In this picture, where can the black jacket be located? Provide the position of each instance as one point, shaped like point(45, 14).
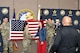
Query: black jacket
point(65, 40)
point(78, 37)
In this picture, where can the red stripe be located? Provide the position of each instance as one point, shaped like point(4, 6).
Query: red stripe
point(33, 21)
point(16, 39)
point(33, 24)
point(33, 30)
point(33, 33)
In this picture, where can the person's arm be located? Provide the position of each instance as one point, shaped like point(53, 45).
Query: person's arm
point(44, 35)
point(27, 34)
point(56, 41)
point(40, 35)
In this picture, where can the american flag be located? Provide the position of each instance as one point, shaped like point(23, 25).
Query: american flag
point(17, 26)
point(17, 29)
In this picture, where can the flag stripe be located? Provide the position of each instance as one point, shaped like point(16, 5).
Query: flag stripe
point(33, 34)
point(33, 29)
point(17, 38)
point(16, 35)
point(33, 26)
point(16, 31)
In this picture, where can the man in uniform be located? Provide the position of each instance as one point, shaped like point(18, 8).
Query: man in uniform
point(26, 40)
point(66, 38)
point(50, 31)
point(5, 31)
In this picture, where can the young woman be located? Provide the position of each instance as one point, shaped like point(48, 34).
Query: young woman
point(42, 38)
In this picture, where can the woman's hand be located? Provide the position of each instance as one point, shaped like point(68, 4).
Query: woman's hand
point(42, 43)
point(54, 52)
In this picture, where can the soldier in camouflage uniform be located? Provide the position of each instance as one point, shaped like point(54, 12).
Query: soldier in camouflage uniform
point(50, 31)
point(26, 41)
point(5, 31)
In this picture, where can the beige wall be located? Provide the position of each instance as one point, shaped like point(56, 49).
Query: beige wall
point(48, 3)
point(7, 3)
point(79, 4)
point(69, 4)
point(33, 4)
point(62, 4)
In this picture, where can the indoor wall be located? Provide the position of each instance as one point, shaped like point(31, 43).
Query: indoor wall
point(34, 5)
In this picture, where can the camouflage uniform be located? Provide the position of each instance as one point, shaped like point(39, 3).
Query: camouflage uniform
point(50, 32)
point(5, 31)
point(26, 41)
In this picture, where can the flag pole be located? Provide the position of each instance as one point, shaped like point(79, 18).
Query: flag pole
point(39, 12)
point(14, 16)
point(15, 46)
point(13, 11)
